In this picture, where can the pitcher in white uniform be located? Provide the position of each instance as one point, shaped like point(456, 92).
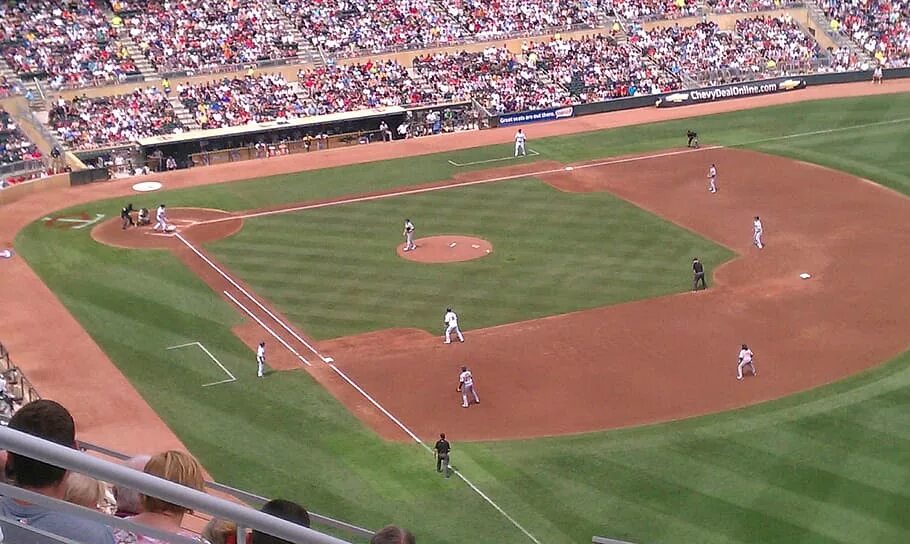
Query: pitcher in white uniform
point(466, 387)
point(451, 325)
point(745, 359)
point(409, 235)
point(520, 143)
point(757, 232)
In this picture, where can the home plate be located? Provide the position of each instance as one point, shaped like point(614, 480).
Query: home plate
point(805, 275)
point(569, 169)
point(475, 246)
point(453, 244)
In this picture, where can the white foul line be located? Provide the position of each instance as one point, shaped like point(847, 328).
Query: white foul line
point(531, 153)
point(416, 439)
point(609, 162)
point(231, 377)
point(248, 295)
point(266, 327)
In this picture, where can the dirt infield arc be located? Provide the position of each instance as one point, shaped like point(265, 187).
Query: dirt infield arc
point(859, 328)
point(647, 361)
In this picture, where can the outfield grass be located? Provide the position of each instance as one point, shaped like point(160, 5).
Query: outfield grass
point(334, 271)
point(830, 465)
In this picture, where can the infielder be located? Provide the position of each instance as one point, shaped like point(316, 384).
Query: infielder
point(693, 138)
point(450, 321)
point(712, 179)
point(757, 231)
point(466, 386)
point(877, 76)
point(520, 143)
point(745, 359)
point(409, 235)
point(260, 360)
point(161, 219)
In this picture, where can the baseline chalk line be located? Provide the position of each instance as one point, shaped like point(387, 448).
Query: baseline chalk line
point(266, 327)
point(531, 153)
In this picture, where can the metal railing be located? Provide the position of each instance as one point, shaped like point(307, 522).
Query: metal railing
point(18, 389)
point(22, 167)
point(76, 461)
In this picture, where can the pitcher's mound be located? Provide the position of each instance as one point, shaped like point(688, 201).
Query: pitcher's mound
point(449, 248)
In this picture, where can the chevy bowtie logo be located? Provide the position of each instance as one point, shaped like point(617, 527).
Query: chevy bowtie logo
point(565, 112)
point(789, 84)
point(677, 97)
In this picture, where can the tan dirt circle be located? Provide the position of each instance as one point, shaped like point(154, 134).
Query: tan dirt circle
point(448, 248)
point(186, 220)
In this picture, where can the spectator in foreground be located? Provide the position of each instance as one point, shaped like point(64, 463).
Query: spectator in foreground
point(87, 492)
point(392, 534)
point(51, 421)
point(175, 466)
point(286, 510)
point(129, 502)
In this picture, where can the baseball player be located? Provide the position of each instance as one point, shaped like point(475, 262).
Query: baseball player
point(126, 216)
point(442, 448)
point(757, 231)
point(450, 322)
point(466, 386)
point(877, 76)
point(698, 271)
point(260, 360)
point(693, 139)
point(712, 179)
point(745, 359)
point(161, 219)
point(520, 143)
point(409, 235)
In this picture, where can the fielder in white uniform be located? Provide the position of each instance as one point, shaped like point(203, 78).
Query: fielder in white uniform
point(260, 360)
point(520, 143)
point(757, 232)
point(466, 387)
point(161, 218)
point(409, 235)
point(451, 324)
point(712, 179)
point(745, 359)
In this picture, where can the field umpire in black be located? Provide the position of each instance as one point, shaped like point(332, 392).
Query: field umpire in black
point(693, 139)
point(442, 448)
point(126, 216)
point(699, 276)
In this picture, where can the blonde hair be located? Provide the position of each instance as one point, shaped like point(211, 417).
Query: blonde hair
point(178, 467)
point(85, 491)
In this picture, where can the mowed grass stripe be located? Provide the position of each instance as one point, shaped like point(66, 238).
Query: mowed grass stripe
point(553, 253)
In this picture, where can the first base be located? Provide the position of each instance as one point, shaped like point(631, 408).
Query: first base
point(569, 169)
point(805, 275)
point(453, 244)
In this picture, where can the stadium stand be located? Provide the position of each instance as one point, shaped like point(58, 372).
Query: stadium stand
point(238, 101)
point(205, 34)
point(14, 144)
point(595, 68)
point(347, 27)
point(636, 10)
point(70, 44)
point(494, 19)
point(880, 28)
point(85, 123)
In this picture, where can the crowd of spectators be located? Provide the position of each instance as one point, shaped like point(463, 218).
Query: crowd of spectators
point(83, 123)
point(52, 422)
point(493, 77)
point(14, 144)
point(745, 6)
point(595, 68)
point(373, 84)
point(492, 19)
point(881, 28)
point(205, 34)
point(635, 10)
point(230, 102)
point(69, 43)
point(348, 26)
point(757, 44)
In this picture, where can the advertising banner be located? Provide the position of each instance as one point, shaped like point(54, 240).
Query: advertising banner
point(535, 116)
point(733, 90)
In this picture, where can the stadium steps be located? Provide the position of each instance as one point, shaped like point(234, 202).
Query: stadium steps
point(183, 114)
point(823, 23)
point(306, 52)
point(142, 62)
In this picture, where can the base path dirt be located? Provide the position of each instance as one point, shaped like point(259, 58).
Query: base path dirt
point(108, 410)
point(446, 249)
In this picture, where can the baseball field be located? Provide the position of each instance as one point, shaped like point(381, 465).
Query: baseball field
point(610, 404)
